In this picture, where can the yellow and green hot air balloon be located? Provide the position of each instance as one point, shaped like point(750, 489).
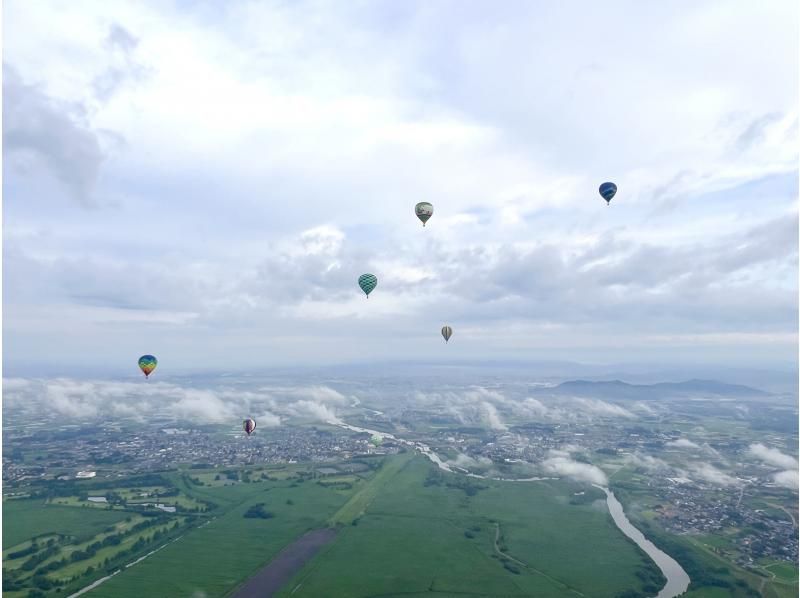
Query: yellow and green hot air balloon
point(147, 363)
point(367, 282)
point(424, 211)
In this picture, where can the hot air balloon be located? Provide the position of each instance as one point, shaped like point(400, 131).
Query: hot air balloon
point(367, 282)
point(447, 332)
point(608, 191)
point(147, 363)
point(424, 211)
point(249, 425)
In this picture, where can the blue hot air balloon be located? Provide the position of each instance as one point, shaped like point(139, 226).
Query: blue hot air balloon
point(608, 191)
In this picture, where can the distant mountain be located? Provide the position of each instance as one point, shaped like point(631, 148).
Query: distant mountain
point(617, 389)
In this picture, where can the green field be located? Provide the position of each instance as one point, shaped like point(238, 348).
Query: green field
point(413, 539)
point(221, 554)
point(367, 493)
point(783, 571)
point(25, 519)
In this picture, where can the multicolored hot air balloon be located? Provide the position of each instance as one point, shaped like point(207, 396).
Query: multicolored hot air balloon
point(447, 332)
point(367, 282)
point(608, 191)
point(424, 211)
point(147, 363)
point(249, 425)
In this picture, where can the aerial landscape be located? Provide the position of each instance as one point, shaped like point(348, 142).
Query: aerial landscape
point(400, 299)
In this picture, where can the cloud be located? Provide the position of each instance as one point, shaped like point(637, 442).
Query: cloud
point(772, 456)
point(202, 405)
point(492, 417)
point(93, 400)
point(322, 394)
point(683, 443)
point(36, 126)
point(583, 472)
point(709, 473)
point(313, 410)
point(598, 407)
point(290, 148)
point(787, 479)
point(646, 462)
point(266, 419)
point(644, 408)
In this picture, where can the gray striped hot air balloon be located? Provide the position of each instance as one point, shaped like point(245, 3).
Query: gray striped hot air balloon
point(367, 282)
point(249, 425)
point(447, 332)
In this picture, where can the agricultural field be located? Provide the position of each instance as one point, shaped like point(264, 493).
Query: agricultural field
point(28, 518)
point(418, 531)
point(228, 548)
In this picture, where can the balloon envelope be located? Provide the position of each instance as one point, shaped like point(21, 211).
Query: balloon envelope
point(447, 332)
point(608, 191)
point(424, 211)
point(367, 282)
point(249, 425)
point(147, 363)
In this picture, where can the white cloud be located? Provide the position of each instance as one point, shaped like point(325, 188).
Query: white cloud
point(492, 417)
point(709, 473)
point(598, 407)
point(322, 394)
point(683, 443)
point(306, 125)
point(583, 472)
point(772, 456)
point(313, 410)
point(647, 462)
point(787, 479)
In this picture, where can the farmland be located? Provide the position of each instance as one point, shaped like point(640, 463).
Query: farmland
point(429, 532)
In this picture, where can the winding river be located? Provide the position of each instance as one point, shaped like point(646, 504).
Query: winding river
point(677, 579)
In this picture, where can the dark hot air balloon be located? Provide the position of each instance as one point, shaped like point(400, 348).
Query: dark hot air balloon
point(447, 332)
point(249, 425)
point(608, 191)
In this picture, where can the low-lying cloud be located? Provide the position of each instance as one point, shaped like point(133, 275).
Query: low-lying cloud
point(582, 472)
point(709, 473)
point(683, 443)
point(787, 479)
point(772, 456)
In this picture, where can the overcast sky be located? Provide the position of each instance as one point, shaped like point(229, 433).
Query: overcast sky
point(206, 181)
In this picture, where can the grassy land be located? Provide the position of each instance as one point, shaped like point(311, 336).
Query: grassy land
point(414, 539)
point(228, 549)
point(355, 507)
point(25, 519)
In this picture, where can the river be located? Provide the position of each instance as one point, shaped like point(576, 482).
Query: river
point(677, 579)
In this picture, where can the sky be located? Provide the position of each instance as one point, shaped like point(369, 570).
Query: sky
point(205, 182)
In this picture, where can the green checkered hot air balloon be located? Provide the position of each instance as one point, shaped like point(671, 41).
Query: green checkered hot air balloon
point(367, 282)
